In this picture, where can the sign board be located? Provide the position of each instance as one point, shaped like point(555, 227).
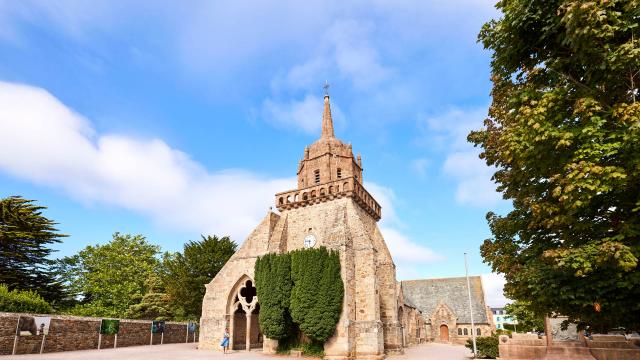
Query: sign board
point(33, 325)
point(157, 327)
point(109, 326)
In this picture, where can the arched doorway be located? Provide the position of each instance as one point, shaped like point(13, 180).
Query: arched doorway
point(444, 332)
point(244, 311)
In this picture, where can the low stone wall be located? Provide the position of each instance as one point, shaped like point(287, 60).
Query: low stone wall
point(68, 333)
point(602, 347)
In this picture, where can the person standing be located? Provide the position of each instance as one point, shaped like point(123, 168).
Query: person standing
point(225, 341)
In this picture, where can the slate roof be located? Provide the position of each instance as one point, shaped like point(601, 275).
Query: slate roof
point(427, 294)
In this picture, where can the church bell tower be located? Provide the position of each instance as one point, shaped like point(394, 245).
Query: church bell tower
point(327, 171)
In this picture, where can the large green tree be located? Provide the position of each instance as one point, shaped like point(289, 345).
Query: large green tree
point(110, 278)
point(527, 320)
point(564, 135)
point(154, 305)
point(185, 274)
point(26, 237)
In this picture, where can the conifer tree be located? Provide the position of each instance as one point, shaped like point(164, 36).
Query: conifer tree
point(273, 286)
point(316, 297)
point(25, 237)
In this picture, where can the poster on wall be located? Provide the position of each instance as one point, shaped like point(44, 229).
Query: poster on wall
point(192, 327)
point(33, 325)
point(157, 326)
point(109, 326)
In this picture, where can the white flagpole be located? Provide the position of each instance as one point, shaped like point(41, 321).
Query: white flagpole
point(473, 330)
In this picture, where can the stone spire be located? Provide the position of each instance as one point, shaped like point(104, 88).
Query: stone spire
point(327, 122)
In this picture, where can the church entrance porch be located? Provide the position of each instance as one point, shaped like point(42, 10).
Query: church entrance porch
point(444, 333)
point(244, 325)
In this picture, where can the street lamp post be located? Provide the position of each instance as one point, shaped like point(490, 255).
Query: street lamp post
point(473, 329)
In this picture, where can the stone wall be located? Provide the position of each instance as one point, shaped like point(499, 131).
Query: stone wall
point(68, 333)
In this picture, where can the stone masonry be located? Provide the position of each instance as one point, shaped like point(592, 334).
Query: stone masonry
point(68, 333)
point(329, 208)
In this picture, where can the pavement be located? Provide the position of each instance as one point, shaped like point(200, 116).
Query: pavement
point(189, 352)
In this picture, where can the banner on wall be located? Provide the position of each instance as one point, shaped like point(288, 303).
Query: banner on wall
point(192, 327)
point(157, 326)
point(33, 325)
point(109, 326)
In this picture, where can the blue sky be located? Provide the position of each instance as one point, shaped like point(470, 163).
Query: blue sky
point(174, 121)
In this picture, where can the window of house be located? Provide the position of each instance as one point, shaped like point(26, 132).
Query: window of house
point(498, 326)
point(316, 174)
point(459, 331)
point(466, 332)
point(478, 331)
point(498, 318)
point(339, 173)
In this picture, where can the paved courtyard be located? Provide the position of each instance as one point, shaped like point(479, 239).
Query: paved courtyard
point(189, 352)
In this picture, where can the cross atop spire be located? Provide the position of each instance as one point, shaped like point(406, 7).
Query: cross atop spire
point(327, 121)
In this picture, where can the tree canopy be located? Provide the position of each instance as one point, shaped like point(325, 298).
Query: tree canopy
point(110, 278)
point(564, 135)
point(185, 274)
point(25, 239)
point(527, 320)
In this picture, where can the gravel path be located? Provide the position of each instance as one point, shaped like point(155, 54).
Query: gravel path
point(189, 352)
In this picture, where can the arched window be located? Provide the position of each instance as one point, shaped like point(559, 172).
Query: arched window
point(339, 173)
point(322, 191)
point(459, 331)
point(478, 331)
point(281, 201)
point(466, 332)
point(305, 196)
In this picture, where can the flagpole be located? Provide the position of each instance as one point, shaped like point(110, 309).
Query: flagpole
point(473, 330)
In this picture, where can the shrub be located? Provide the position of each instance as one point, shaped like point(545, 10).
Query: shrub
point(313, 348)
point(300, 291)
point(273, 286)
point(316, 297)
point(22, 301)
point(487, 346)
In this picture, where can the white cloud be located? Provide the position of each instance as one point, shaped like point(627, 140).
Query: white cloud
point(305, 115)
point(407, 254)
point(448, 132)
point(475, 186)
point(493, 285)
point(346, 51)
point(43, 141)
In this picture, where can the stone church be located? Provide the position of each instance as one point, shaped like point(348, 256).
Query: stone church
point(330, 207)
